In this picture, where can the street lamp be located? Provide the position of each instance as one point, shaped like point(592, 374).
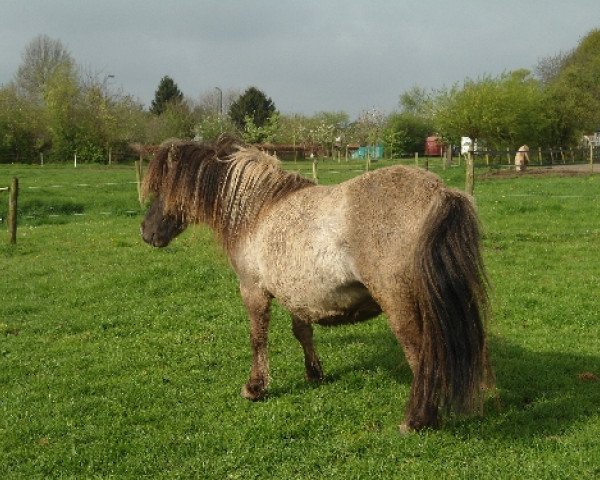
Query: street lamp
point(110, 76)
point(220, 99)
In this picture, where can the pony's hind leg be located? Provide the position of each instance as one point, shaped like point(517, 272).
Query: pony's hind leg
point(258, 305)
point(304, 334)
point(406, 325)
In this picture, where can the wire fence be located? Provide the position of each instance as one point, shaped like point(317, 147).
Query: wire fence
point(336, 168)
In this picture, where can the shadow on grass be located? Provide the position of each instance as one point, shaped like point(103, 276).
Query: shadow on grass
point(540, 393)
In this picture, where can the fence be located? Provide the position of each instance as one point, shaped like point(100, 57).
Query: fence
point(39, 158)
point(12, 209)
point(537, 156)
point(482, 159)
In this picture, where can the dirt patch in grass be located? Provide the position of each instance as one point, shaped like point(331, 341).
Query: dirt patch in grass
point(577, 170)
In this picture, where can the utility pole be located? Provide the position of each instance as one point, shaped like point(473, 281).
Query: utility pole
point(220, 100)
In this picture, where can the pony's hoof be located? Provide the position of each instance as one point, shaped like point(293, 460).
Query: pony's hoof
point(314, 377)
point(252, 392)
point(404, 429)
point(314, 373)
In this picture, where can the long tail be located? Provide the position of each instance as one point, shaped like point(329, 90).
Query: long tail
point(450, 288)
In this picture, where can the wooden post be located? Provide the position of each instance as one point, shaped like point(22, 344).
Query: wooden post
point(540, 155)
point(110, 155)
point(487, 159)
point(562, 155)
point(42, 158)
point(295, 149)
point(417, 159)
point(470, 174)
point(572, 154)
point(315, 171)
point(551, 156)
point(508, 155)
point(138, 178)
point(12, 210)
point(426, 163)
point(591, 158)
point(448, 158)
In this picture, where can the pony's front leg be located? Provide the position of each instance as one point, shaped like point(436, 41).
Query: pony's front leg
point(258, 304)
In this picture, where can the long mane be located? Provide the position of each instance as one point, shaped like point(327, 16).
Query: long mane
point(223, 185)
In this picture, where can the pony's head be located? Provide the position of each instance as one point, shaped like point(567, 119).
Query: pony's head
point(168, 182)
point(159, 227)
point(223, 185)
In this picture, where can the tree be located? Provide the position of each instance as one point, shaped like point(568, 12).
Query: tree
point(176, 121)
point(368, 129)
point(417, 102)
point(22, 134)
point(254, 104)
point(405, 133)
point(504, 111)
point(167, 92)
point(40, 60)
point(266, 133)
point(573, 95)
point(211, 125)
point(61, 96)
point(548, 68)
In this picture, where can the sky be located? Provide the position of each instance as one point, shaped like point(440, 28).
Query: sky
point(309, 55)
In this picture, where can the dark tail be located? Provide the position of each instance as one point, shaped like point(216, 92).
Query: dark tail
point(451, 300)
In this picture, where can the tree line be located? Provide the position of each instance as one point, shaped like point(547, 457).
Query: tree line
point(55, 109)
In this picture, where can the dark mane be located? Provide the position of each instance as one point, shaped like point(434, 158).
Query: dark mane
point(223, 185)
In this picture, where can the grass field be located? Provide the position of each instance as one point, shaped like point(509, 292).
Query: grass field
point(119, 360)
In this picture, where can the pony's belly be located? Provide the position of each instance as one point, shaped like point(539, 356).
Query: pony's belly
point(331, 306)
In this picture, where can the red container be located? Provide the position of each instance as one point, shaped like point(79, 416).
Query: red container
point(433, 146)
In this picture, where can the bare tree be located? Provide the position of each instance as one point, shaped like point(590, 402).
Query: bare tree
point(40, 60)
point(548, 68)
point(210, 100)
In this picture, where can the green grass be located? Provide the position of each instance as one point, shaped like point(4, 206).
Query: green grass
point(121, 360)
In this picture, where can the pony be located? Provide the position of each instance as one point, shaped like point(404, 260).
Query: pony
point(522, 158)
point(395, 240)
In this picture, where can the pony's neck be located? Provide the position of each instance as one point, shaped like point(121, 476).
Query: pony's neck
point(240, 190)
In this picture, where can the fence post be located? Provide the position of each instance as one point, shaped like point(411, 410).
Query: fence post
point(540, 155)
point(315, 172)
point(470, 174)
point(138, 177)
point(448, 157)
point(12, 210)
point(416, 159)
point(591, 157)
point(508, 155)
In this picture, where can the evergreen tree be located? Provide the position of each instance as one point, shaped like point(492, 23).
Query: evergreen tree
point(167, 92)
point(254, 104)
